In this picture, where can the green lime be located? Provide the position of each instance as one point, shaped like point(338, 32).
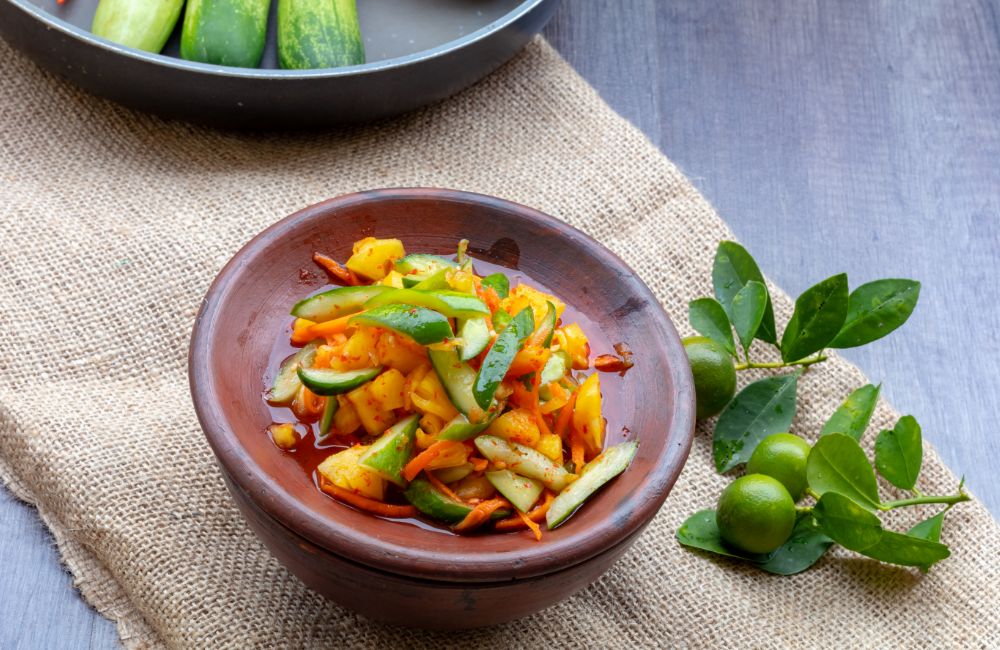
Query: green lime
point(755, 513)
point(782, 456)
point(714, 375)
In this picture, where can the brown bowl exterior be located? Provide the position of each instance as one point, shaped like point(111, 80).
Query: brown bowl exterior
point(246, 307)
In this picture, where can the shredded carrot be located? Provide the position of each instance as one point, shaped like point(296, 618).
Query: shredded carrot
point(441, 487)
point(423, 459)
point(366, 504)
point(537, 514)
point(311, 402)
point(489, 296)
point(331, 266)
point(479, 464)
point(539, 418)
point(565, 415)
point(576, 450)
point(480, 514)
point(530, 524)
point(331, 327)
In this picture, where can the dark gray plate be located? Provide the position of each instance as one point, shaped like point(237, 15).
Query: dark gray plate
point(419, 51)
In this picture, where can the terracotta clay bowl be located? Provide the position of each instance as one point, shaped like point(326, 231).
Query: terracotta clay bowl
point(397, 572)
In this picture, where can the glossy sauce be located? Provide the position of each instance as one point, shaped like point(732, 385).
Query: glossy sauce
point(310, 451)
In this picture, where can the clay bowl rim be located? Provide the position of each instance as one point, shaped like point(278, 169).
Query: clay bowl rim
point(646, 493)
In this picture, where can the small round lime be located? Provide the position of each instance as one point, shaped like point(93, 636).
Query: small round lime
point(755, 513)
point(714, 375)
point(782, 456)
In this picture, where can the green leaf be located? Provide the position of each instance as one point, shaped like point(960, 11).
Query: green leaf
point(700, 531)
point(499, 282)
point(819, 314)
point(748, 311)
point(896, 548)
point(764, 407)
point(849, 524)
point(804, 547)
point(929, 529)
point(875, 309)
point(708, 318)
point(899, 453)
point(852, 417)
point(732, 269)
point(838, 464)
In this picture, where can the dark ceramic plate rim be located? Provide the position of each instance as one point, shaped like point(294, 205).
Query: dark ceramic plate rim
point(78, 33)
point(636, 510)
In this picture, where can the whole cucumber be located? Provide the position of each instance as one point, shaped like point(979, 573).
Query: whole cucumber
point(319, 34)
point(142, 24)
point(225, 32)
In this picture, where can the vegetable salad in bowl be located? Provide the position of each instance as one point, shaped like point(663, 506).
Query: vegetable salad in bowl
point(422, 390)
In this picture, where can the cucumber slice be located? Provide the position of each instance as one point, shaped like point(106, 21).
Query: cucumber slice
point(452, 304)
point(459, 428)
point(323, 381)
point(501, 320)
point(287, 382)
point(457, 378)
point(326, 420)
point(609, 464)
point(521, 491)
point(524, 461)
point(556, 367)
point(547, 328)
point(423, 325)
point(422, 265)
point(452, 474)
point(475, 335)
point(501, 355)
point(389, 454)
point(336, 302)
point(422, 495)
point(499, 283)
point(435, 281)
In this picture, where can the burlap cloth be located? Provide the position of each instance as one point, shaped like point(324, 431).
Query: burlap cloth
point(112, 226)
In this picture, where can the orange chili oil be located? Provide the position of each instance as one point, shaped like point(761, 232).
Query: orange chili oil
point(310, 451)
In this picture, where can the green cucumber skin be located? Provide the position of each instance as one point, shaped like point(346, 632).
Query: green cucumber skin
point(501, 355)
point(449, 303)
point(422, 264)
point(286, 383)
point(390, 453)
point(457, 378)
point(475, 335)
point(422, 496)
point(425, 326)
point(335, 302)
point(612, 462)
point(523, 460)
point(319, 34)
point(141, 24)
point(460, 429)
point(522, 492)
point(333, 382)
point(329, 411)
point(225, 32)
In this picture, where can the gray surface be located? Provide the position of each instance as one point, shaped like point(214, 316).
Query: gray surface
point(857, 136)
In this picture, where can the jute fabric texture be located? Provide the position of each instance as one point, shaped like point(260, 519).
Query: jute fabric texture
point(112, 226)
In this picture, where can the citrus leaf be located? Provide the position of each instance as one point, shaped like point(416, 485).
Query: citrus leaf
point(929, 529)
point(764, 407)
point(804, 548)
point(748, 311)
point(819, 314)
point(838, 464)
point(732, 269)
point(700, 531)
point(849, 524)
point(899, 453)
point(876, 309)
point(852, 417)
point(906, 550)
point(708, 318)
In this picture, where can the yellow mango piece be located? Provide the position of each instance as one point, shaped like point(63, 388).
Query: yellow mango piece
point(343, 470)
point(373, 418)
point(572, 339)
point(345, 420)
point(523, 296)
point(400, 352)
point(387, 389)
point(394, 279)
point(373, 258)
point(550, 445)
point(300, 331)
point(516, 425)
point(460, 280)
point(284, 435)
point(360, 351)
point(587, 418)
